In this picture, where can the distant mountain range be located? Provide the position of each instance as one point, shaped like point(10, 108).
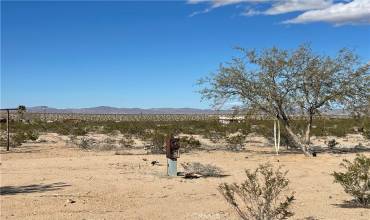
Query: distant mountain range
point(113, 110)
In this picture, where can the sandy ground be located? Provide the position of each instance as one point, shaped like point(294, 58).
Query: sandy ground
point(53, 180)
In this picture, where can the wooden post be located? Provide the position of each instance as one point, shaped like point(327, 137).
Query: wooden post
point(278, 142)
point(277, 136)
point(275, 141)
point(7, 131)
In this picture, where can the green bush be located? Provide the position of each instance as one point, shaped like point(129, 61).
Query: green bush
point(215, 136)
point(21, 137)
point(18, 139)
point(356, 179)
point(32, 135)
point(236, 142)
point(157, 143)
point(261, 195)
point(189, 143)
point(127, 141)
point(367, 134)
point(210, 128)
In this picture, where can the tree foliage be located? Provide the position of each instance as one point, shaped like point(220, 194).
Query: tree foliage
point(284, 84)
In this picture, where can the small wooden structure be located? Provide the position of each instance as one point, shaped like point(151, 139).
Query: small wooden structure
point(7, 125)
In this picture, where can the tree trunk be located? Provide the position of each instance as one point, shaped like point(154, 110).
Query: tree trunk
point(308, 131)
point(296, 140)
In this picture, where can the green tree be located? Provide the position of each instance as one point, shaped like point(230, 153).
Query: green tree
point(21, 110)
point(282, 84)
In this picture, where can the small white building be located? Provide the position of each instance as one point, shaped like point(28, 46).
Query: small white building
point(228, 119)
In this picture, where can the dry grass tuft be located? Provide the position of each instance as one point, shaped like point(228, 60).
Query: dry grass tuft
point(205, 170)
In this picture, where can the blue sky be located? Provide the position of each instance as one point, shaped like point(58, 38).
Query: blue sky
point(149, 54)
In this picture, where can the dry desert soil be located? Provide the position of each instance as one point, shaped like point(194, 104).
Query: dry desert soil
point(52, 180)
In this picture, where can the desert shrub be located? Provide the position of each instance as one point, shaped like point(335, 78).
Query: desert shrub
point(115, 133)
point(189, 143)
point(21, 137)
point(109, 140)
point(206, 170)
point(18, 138)
point(105, 147)
point(332, 143)
point(61, 130)
point(285, 140)
point(214, 136)
point(210, 128)
point(126, 142)
point(157, 141)
point(261, 196)
point(73, 139)
point(339, 131)
point(236, 142)
point(356, 179)
point(263, 127)
point(85, 143)
point(78, 131)
point(367, 134)
point(32, 135)
point(3, 140)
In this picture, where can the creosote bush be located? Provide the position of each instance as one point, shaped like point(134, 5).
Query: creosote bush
point(155, 131)
point(356, 179)
point(20, 137)
point(126, 142)
point(157, 141)
point(236, 142)
point(189, 143)
point(262, 196)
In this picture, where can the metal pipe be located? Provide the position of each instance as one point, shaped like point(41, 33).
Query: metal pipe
point(7, 131)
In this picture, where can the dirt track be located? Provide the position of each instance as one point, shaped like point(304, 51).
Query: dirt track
point(54, 181)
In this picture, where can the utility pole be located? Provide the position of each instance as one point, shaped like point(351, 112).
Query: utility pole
point(7, 125)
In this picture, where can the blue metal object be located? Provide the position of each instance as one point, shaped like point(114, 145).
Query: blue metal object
point(171, 167)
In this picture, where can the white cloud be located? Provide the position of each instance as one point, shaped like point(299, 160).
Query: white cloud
point(196, 1)
point(216, 4)
point(286, 6)
point(251, 12)
point(338, 12)
point(282, 7)
point(220, 3)
point(354, 12)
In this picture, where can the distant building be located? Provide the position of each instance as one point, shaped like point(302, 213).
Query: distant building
point(229, 119)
